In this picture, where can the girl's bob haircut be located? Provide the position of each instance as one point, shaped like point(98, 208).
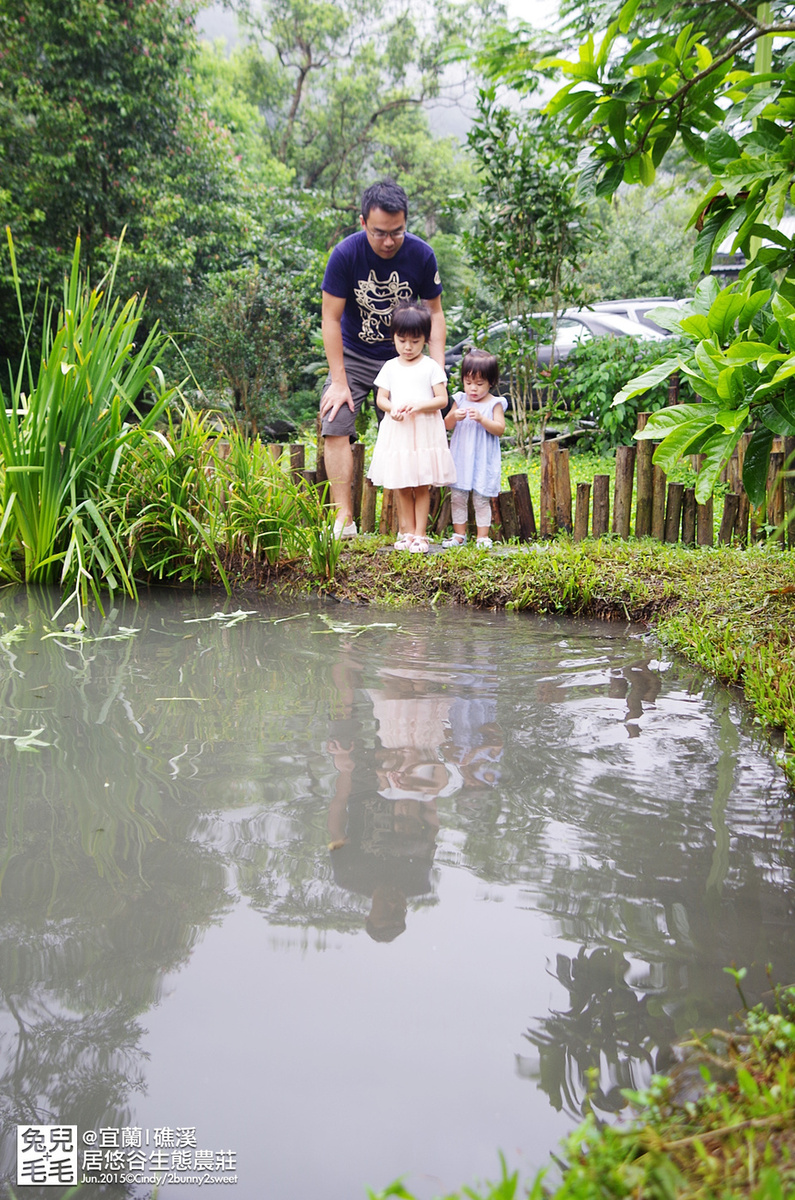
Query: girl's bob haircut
point(412, 320)
point(478, 362)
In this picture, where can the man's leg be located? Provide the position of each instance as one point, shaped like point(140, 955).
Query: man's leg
point(360, 372)
point(338, 458)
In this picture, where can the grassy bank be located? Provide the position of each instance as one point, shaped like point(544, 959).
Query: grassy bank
point(720, 1127)
point(730, 611)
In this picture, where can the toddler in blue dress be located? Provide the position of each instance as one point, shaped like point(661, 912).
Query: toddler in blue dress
point(477, 419)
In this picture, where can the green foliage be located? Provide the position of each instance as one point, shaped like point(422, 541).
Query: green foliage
point(525, 241)
point(642, 246)
point(341, 87)
point(66, 427)
point(740, 362)
point(589, 379)
point(633, 92)
point(167, 504)
point(253, 339)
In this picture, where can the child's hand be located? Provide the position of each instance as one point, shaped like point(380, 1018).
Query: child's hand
point(404, 410)
point(474, 414)
point(460, 414)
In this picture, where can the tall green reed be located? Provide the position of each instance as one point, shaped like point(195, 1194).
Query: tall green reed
point(167, 499)
point(65, 427)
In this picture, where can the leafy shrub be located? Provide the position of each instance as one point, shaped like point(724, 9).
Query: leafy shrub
point(597, 369)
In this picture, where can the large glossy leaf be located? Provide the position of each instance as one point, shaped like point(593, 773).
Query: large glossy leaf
point(717, 452)
point(666, 420)
point(687, 438)
point(756, 463)
point(642, 383)
point(779, 416)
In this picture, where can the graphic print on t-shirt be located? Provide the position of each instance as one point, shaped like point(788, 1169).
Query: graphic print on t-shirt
point(377, 299)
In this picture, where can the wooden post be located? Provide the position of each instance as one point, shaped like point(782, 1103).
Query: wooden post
point(508, 517)
point(562, 491)
point(389, 517)
point(622, 493)
point(673, 388)
point(357, 450)
point(320, 468)
point(705, 532)
point(775, 491)
point(673, 511)
point(601, 505)
point(525, 517)
point(369, 494)
point(276, 451)
point(689, 517)
point(728, 522)
point(789, 488)
point(659, 483)
point(743, 515)
point(495, 532)
point(643, 455)
point(582, 511)
point(445, 515)
point(297, 460)
point(549, 452)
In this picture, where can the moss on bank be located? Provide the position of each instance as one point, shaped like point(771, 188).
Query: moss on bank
point(731, 611)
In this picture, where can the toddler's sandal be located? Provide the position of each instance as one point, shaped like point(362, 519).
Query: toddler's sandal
point(452, 543)
point(404, 541)
point(484, 543)
point(420, 545)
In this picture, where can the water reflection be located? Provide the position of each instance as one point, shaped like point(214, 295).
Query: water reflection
point(585, 833)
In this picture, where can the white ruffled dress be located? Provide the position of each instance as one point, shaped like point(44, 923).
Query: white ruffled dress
point(412, 452)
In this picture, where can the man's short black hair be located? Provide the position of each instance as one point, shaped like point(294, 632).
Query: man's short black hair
point(413, 320)
point(387, 195)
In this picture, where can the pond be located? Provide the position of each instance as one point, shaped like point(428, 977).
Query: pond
point(304, 899)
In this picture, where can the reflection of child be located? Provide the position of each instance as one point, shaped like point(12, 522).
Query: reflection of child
point(411, 451)
point(477, 420)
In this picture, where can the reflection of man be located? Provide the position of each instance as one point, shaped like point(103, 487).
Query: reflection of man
point(367, 276)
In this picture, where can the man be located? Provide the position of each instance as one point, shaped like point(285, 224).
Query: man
point(367, 276)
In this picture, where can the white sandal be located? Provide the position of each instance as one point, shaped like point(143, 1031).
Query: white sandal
point(419, 545)
point(451, 543)
point(404, 541)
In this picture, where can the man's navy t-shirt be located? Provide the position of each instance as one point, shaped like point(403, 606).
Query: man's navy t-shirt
point(372, 287)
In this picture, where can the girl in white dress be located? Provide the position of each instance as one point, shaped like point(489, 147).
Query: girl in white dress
point(477, 420)
point(411, 450)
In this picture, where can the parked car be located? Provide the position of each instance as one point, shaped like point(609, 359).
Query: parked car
point(574, 325)
point(636, 309)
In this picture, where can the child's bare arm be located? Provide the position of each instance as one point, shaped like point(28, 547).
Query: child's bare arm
point(382, 400)
point(494, 424)
point(455, 415)
point(434, 402)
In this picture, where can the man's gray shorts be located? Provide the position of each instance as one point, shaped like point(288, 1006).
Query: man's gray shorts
point(361, 372)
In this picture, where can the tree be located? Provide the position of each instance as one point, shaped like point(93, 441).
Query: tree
point(102, 127)
point(342, 87)
point(632, 95)
point(525, 242)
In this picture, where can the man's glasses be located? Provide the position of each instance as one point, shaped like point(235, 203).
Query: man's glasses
point(381, 235)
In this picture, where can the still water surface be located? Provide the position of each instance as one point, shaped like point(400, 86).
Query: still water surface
point(352, 894)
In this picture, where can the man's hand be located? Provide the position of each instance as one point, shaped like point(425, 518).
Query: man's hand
point(335, 397)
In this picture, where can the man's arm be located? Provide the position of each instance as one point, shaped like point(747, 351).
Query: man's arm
point(438, 339)
point(337, 393)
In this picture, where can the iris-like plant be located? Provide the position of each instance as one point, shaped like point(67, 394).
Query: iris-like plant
point(64, 429)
